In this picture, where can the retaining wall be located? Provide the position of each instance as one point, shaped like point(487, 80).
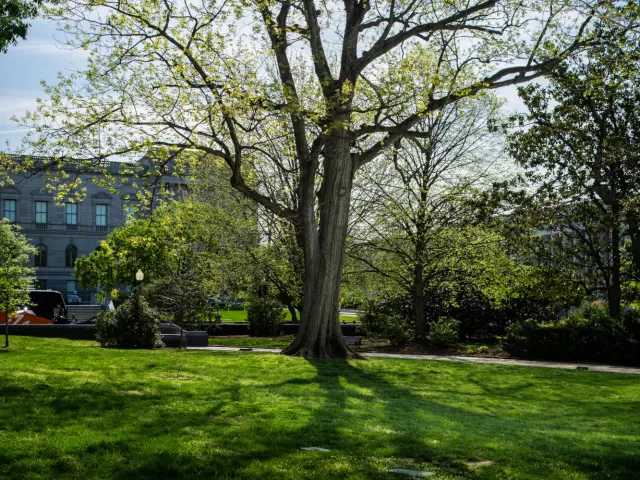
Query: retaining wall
point(88, 331)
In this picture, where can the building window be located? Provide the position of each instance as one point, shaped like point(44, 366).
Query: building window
point(71, 286)
point(71, 211)
point(41, 212)
point(10, 210)
point(41, 256)
point(101, 215)
point(41, 284)
point(129, 214)
point(70, 255)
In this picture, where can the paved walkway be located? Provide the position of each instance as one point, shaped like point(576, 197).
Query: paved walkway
point(454, 358)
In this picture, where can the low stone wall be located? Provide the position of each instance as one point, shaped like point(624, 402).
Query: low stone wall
point(242, 328)
point(88, 331)
point(76, 332)
point(189, 339)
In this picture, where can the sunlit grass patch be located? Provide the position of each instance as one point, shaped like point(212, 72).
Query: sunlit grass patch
point(79, 411)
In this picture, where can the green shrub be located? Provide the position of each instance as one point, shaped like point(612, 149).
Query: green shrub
point(131, 325)
point(444, 331)
point(588, 334)
point(483, 349)
point(265, 316)
point(631, 322)
point(388, 318)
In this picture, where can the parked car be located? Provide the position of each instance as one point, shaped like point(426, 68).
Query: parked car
point(73, 299)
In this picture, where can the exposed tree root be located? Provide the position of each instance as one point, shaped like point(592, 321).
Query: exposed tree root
point(332, 348)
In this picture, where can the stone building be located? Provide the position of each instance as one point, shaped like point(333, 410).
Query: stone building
point(64, 232)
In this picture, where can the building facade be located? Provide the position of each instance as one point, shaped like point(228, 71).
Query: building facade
point(64, 232)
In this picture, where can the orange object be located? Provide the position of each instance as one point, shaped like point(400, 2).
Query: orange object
point(25, 317)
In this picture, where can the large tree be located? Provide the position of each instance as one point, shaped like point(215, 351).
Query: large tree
point(580, 147)
point(304, 91)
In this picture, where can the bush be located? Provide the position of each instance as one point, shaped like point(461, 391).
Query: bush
point(631, 322)
point(588, 334)
point(265, 316)
point(131, 325)
point(390, 317)
point(444, 331)
point(481, 320)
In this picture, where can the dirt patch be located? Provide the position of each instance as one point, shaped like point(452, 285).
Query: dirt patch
point(471, 350)
point(374, 345)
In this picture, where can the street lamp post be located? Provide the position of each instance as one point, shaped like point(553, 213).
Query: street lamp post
point(6, 320)
point(139, 278)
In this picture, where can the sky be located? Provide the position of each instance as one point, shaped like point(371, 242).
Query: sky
point(22, 69)
point(41, 57)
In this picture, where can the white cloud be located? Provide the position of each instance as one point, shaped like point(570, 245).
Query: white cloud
point(17, 130)
point(51, 47)
point(10, 104)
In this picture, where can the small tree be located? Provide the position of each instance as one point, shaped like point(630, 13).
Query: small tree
point(16, 276)
point(176, 237)
point(415, 221)
point(182, 296)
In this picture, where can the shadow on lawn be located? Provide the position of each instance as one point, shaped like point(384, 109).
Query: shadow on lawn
point(337, 423)
point(350, 409)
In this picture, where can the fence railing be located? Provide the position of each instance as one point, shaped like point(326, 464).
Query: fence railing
point(58, 227)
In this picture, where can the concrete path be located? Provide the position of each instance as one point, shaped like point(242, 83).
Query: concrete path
point(454, 358)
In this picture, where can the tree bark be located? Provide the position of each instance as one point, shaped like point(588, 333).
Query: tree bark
point(294, 314)
point(6, 329)
point(324, 245)
point(418, 302)
point(614, 293)
point(634, 233)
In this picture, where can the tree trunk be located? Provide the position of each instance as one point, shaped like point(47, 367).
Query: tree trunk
point(294, 314)
point(178, 318)
point(418, 302)
point(634, 233)
point(614, 293)
point(320, 334)
point(635, 251)
point(6, 329)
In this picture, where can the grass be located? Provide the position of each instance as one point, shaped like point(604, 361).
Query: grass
point(73, 410)
point(241, 316)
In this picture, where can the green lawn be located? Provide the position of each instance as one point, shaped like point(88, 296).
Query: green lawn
point(73, 410)
point(241, 316)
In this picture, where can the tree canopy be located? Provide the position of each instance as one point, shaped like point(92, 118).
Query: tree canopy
point(14, 16)
point(176, 238)
point(580, 146)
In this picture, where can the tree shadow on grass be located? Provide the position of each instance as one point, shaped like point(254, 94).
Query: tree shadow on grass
point(357, 410)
